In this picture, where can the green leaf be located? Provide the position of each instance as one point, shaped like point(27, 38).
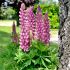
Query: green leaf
point(55, 68)
point(46, 68)
point(27, 63)
point(40, 45)
point(40, 68)
point(32, 53)
point(43, 62)
point(47, 60)
point(34, 62)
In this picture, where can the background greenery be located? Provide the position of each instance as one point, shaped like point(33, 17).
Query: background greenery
point(7, 13)
point(53, 12)
point(52, 9)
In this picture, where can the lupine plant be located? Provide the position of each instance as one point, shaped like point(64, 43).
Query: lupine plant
point(37, 55)
point(46, 30)
point(25, 28)
point(14, 34)
point(42, 27)
point(33, 27)
point(39, 22)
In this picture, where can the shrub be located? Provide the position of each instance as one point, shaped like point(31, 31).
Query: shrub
point(53, 12)
point(8, 13)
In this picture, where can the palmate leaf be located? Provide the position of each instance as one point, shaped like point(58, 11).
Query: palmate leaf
point(39, 55)
point(21, 56)
point(18, 57)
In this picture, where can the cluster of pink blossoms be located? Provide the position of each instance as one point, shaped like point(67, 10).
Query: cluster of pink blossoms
point(25, 29)
point(42, 26)
point(33, 27)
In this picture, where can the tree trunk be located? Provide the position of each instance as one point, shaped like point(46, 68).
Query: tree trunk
point(64, 35)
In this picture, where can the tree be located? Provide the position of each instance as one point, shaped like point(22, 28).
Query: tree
point(64, 35)
point(16, 5)
point(1, 1)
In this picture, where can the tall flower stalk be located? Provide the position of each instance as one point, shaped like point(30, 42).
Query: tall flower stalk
point(25, 29)
point(42, 27)
point(39, 22)
point(14, 34)
point(46, 30)
point(32, 25)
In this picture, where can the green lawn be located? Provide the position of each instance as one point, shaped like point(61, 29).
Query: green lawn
point(5, 35)
point(7, 51)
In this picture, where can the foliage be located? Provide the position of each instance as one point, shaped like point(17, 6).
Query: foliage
point(52, 9)
point(39, 57)
point(8, 13)
point(53, 12)
point(7, 61)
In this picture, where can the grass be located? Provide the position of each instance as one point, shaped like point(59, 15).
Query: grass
point(5, 35)
point(7, 54)
point(8, 50)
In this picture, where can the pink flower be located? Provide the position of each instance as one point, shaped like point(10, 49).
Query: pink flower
point(32, 25)
point(46, 29)
point(25, 29)
point(42, 27)
point(39, 22)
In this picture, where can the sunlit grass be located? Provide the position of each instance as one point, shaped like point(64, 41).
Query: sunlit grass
point(5, 35)
point(6, 21)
